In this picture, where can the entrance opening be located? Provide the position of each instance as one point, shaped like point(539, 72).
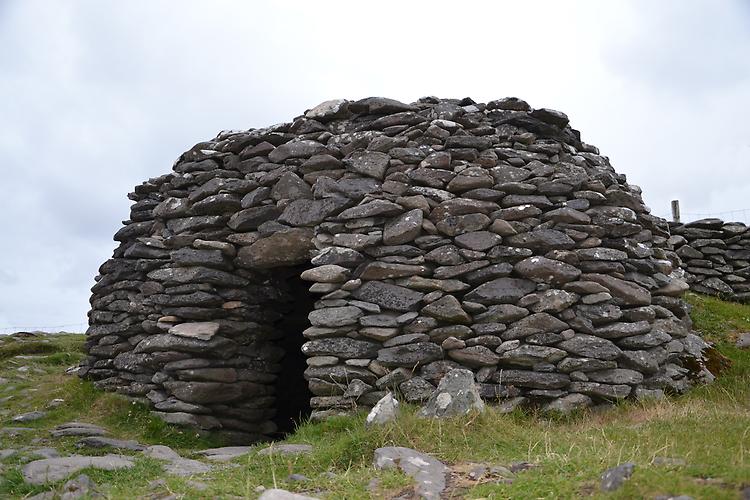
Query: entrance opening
point(292, 392)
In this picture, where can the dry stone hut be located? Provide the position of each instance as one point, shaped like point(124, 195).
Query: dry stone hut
point(308, 267)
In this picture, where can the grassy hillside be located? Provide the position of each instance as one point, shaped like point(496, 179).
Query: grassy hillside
point(697, 445)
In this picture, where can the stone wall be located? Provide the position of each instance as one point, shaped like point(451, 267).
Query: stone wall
point(716, 257)
point(432, 235)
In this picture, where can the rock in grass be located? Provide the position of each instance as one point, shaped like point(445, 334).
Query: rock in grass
point(30, 416)
point(743, 342)
point(427, 471)
point(615, 477)
point(386, 410)
point(55, 469)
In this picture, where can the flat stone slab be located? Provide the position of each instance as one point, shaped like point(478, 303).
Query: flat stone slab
point(55, 469)
point(225, 454)
point(286, 449)
point(105, 442)
point(428, 472)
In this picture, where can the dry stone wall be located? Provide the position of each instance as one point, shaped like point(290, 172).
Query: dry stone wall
point(716, 257)
point(434, 235)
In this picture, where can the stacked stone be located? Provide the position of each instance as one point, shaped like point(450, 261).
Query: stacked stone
point(716, 256)
point(437, 234)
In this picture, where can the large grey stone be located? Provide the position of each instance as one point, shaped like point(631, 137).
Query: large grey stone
point(369, 163)
point(387, 296)
point(428, 472)
point(50, 470)
point(295, 149)
point(546, 270)
point(530, 355)
point(410, 355)
point(343, 347)
point(335, 316)
point(612, 479)
point(287, 248)
point(447, 309)
point(456, 395)
point(501, 291)
point(625, 292)
point(403, 228)
point(475, 356)
point(385, 410)
point(588, 346)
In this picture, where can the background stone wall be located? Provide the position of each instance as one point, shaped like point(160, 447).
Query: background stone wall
point(716, 256)
point(432, 235)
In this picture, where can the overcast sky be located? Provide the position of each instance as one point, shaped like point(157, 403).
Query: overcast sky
point(96, 96)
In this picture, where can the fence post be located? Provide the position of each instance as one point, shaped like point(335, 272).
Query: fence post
point(676, 210)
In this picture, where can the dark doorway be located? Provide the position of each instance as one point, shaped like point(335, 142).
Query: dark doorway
point(292, 393)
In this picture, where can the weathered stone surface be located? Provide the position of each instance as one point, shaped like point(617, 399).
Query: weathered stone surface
point(614, 478)
point(369, 163)
point(475, 356)
point(410, 355)
point(544, 270)
point(199, 330)
point(340, 346)
point(456, 395)
point(616, 376)
point(388, 296)
point(535, 323)
point(447, 309)
point(589, 346)
point(56, 469)
point(536, 380)
point(403, 228)
point(295, 149)
point(568, 404)
point(428, 473)
point(501, 291)
point(624, 292)
point(287, 248)
point(385, 410)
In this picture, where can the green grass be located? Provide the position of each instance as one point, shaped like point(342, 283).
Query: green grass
point(709, 429)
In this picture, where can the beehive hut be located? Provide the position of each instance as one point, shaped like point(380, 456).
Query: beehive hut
point(309, 267)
